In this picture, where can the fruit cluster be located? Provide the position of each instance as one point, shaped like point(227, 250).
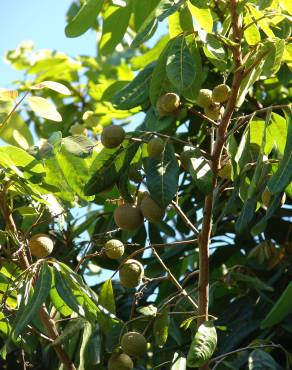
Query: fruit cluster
point(211, 101)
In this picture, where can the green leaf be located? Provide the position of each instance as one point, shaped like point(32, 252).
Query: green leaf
point(115, 24)
point(180, 67)
point(162, 176)
point(253, 282)
point(16, 132)
point(52, 85)
point(246, 215)
point(79, 145)
point(179, 362)
point(106, 297)
point(136, 92)
point(58, 302)
point(280, 310)
point(273, 59)
point(201, 14)
point(192, 91)
point(84, 19)
point(161, 327)
point(200, 171)
point(108, 167)
point(203, 345)
point(179, 22)
point(251, 33)
point(44, 108)
point(30, 308)
point(259, 359)
point(72, 328)
point(283, 175)
point(157, 124)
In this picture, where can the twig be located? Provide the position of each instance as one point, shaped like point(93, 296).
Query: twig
point(199, 114)
point(185, 218)
point(14, 109)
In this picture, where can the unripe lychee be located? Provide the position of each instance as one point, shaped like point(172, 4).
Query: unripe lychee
point(204, 98)
point(40, 245)
point(221, 93)
point(213, 111)
point(128, 217)
point(114, 249)
point(112, 136)
point(134, 344)
point(120, 361)
point(155, 147)
point(167, 104)
point(131, 273)
point(151, 210)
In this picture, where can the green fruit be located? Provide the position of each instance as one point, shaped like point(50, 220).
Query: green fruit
point(112, 136)
point(128, 217)
point(221, 93)
point(151, 211)
point(114, 249)
point(167, 103)
point(204, 99)
point(120, 361)
point(40, 245)
point(134, 344)
point(226, 171)
point(131, 273)
point(213, 112)
point(155, 147)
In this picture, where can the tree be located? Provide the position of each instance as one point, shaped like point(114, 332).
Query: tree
point(178, 154)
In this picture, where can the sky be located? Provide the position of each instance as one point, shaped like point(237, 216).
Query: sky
point(42, 22)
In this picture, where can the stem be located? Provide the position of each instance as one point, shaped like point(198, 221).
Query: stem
point(204, 237)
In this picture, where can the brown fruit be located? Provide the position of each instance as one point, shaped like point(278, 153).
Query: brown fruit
point(112, 136)
point(213, 111)
point(131, 273)
point(134, 344)
point(167, 104)
point(114, 249)
point(151, 211)
point(204, 99)
point(120, 361)
point(128, 217)
point(221, 93)
point(140, 196)
point(40, 245)
point(155, 147)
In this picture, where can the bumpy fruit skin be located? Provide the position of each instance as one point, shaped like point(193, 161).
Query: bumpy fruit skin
point(120, 361)
point(204, 98)
point(167, 104)
point(40, 245)
point(112, 136)
point(128, 217)
point(114, 248)
point(221, 93)
point(212, 112)
point(131, 273)
point(151, 211)
point(134, 344)
point(155, 147)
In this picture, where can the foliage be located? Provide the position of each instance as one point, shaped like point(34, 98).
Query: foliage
point(58, 179)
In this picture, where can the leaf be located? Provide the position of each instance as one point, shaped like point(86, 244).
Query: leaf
point(180, 65)
point(283, 175)
point(84, 19)
point(253, 282)
point(203, 345)
point(79, 145)
point(280, 310)
point(106, 297)
point(251, 33)
point(179, 22)
point(41, 291)
point(149, 310)
point(16, 132)
point(157, 124)
point(246, 215)
point(52, 85)
point(179, 362)
point(200, 171)
point(161, 327)
point(162, 176)
point(71, 329)
point(44, 108)
point(114, 26)
point(136, 92)
point(259, 359)
point(8, 94)
point(201, 14)
point(108, 167)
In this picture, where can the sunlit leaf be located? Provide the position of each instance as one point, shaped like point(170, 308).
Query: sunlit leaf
point(52, 85)
point(44, 108)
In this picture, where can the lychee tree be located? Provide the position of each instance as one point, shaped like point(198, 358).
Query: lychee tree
point(145, 192)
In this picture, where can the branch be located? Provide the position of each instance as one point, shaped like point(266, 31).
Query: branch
point(185, 218)
point(199, 114)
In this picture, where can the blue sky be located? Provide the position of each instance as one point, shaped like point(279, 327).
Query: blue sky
point(42, 22)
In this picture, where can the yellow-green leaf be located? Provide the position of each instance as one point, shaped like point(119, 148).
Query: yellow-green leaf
point(251, 33)
point(56, 86)
point(202, 15)
point(44, 108)
point(8, 94)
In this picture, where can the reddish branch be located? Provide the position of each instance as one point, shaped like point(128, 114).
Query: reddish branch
point(221, 134)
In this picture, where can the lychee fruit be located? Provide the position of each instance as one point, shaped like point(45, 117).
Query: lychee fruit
point(131, 273)
point(114, 249)
point(221, 93)
point(120, 361)
point(112, 136)
point(204, 98)
point(167, 103)
point(151, 210)
point(134, 344)
point(40, 245)
point(155, 147)
point(128, 217)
